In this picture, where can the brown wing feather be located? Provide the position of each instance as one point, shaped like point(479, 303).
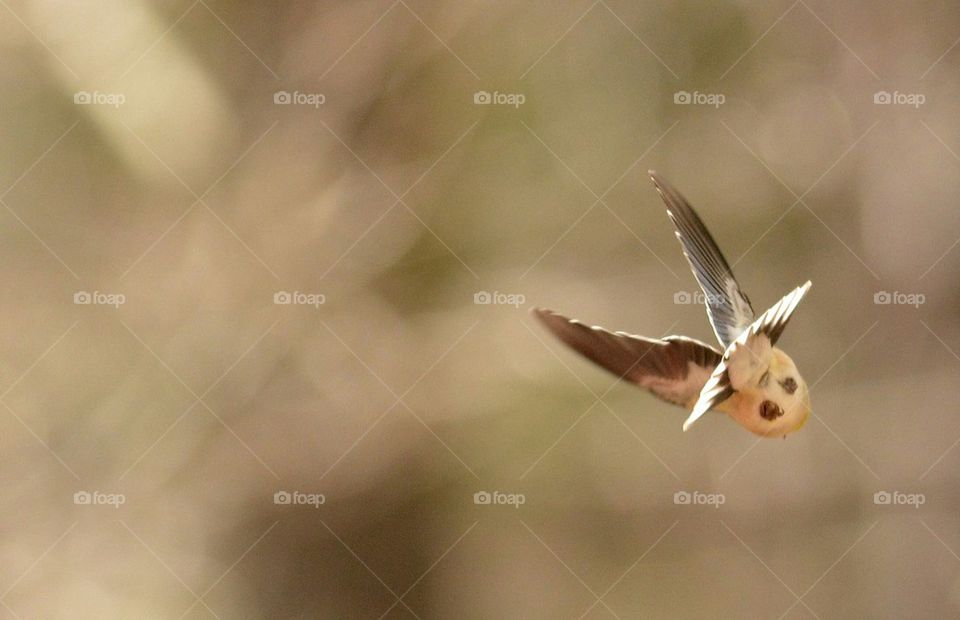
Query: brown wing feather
point(662, 366)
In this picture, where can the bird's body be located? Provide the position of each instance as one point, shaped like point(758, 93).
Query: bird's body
point(751, 380)
point(747, 400)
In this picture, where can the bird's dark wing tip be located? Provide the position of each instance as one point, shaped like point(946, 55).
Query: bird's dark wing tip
point(548, 317)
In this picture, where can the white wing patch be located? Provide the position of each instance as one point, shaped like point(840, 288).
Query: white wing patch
point(742, 312)
point(679, 390)
point(747, 361)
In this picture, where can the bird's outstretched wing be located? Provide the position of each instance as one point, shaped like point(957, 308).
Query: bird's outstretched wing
point(770, 326)
point(728, 308)
point(674, 368)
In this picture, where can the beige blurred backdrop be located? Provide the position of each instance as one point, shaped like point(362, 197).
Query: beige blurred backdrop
point(246, 368)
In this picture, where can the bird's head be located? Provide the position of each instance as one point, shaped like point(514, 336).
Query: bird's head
point(785, 402)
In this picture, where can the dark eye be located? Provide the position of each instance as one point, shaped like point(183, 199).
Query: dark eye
point(770, 410)
point(789, 385)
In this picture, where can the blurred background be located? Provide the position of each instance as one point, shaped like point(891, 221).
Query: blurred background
point(266, 349)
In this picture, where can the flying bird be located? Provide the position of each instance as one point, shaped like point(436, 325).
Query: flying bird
point(750, 380)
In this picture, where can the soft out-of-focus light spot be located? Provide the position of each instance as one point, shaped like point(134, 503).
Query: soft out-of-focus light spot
point(719, 174)
point(909, 185)
point(169, 101)
point(93, 38)
point(803, 127)
point(178, 112)
point(12, 34)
